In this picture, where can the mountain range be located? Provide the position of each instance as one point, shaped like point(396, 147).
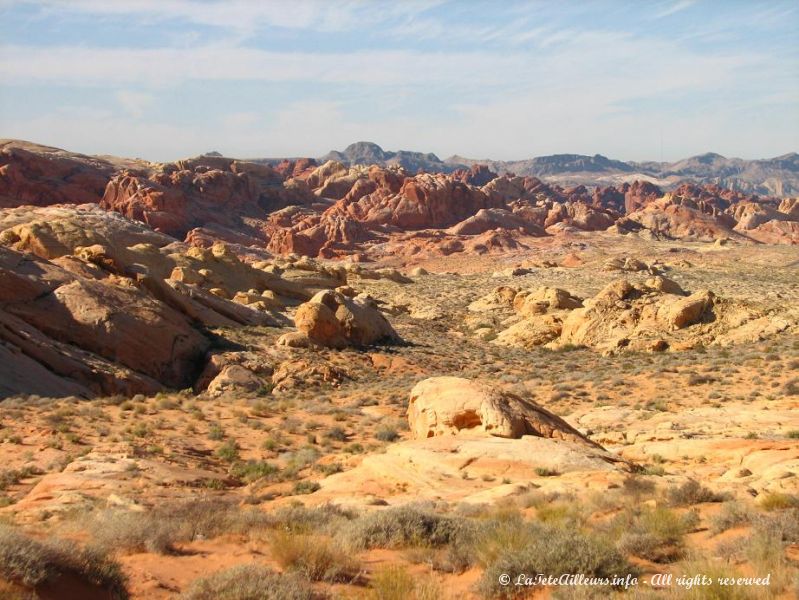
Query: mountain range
point(778, 176)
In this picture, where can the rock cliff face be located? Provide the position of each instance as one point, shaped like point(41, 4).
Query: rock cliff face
point(202, 192)
point(39, 175)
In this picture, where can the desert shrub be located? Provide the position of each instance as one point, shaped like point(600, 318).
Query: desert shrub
point(545, 472)
point(783, 524)
point(305, 487)
point(732, 514)
point(779, 501)
point(395, 583)
point(401, 527)
point(484, 543)
point(654, 534)
point(161, 528)
point(249, 582)
point(560, 512)
point(554, 551)
point(387, 434)
point(716, 591)
point(9, 477)
point(791, 388)
point(327, 518)
point(253, 470)
point(228, 451)
point(692, 492)
point(636, 486)
point(336, 434)
point(215, 432)
point(33, 563)
point(135, 532)
point(314, 557)
point(299, 460)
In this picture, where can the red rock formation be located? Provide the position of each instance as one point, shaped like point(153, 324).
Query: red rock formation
point(28, 177)
point(423, 201)
point(296, 168)
point(195, 193)
point(638, 194)
point(477, 175)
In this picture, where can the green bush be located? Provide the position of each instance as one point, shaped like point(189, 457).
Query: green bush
point(228, 451)
point(253, 470)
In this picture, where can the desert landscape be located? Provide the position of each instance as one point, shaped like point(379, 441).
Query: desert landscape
point(230, 379)
point(416, 300)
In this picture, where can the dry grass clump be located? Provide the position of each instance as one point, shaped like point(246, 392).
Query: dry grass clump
point(34, 563)
point(779, 501)
point(249, 582)
point(314, 557)
point(395, 583)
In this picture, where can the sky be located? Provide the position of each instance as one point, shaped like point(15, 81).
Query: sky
point(632, 80)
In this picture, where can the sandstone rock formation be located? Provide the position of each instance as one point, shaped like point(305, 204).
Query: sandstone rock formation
point(40, 175)
point(334, 320)
point(448, 405)
point(105, 338)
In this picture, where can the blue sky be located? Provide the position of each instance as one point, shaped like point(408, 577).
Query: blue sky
point(164, 79)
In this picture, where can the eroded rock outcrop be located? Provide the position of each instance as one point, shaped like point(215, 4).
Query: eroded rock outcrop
point(334, 320)
point(449, 405)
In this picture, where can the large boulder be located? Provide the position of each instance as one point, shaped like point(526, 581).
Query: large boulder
point(487, 219)
point(334, 320)
point(544, 299)
point(533, 331)
point(449, 405)
point(235, 378)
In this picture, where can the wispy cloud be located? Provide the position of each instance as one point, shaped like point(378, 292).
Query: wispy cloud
point(674, 8)
point(322, 15)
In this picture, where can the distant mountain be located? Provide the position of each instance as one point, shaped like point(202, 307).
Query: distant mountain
point(777, 176)
point(369, 153)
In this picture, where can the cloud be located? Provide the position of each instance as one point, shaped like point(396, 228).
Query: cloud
point(674, 8)
point(134, 103)
point(517, 80)
point(243, 15)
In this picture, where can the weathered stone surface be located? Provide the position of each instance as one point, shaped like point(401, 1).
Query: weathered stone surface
point(332, 319)
point(448, 405)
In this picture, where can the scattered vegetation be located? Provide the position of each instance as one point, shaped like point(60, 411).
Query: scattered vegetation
point(249, 582)
point(34, 563)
